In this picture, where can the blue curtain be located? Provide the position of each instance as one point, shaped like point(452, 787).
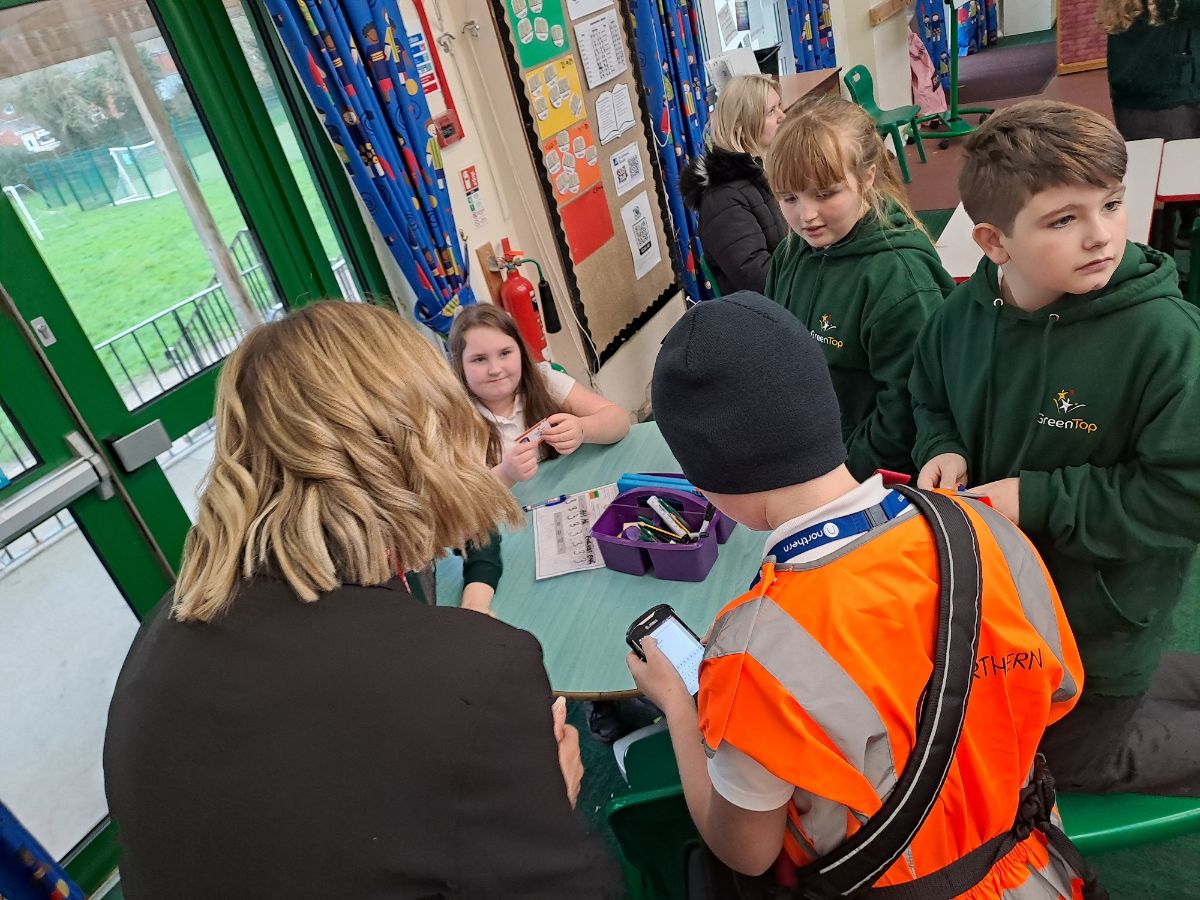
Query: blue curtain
point(354, 60)
point(27, 871)
point(976, 23)
point(812, 34)
point(666, 36)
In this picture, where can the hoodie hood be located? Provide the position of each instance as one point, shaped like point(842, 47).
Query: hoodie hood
point(1142, 275)
point(868, 238)
point(717, 167)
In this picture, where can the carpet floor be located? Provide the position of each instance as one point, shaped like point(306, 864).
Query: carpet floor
point(1023, 70)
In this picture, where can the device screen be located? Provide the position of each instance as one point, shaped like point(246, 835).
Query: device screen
point(682, 649)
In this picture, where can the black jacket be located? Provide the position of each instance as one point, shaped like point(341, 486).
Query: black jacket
point(365, 745)
point(740, 221)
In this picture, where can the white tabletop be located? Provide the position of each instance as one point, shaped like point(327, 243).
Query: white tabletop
point(1141, 180)
point(960, 254)
point(1179, 179)
point(958, 250)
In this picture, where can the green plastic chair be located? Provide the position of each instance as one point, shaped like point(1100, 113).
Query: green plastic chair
point(1097, 822)
point(887, 121)
point(654, 834)
point(650, 763)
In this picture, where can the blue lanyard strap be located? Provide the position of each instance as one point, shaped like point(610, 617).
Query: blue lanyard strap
point(820, 533)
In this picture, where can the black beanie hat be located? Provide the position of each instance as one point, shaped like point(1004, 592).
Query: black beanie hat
point(743, 397)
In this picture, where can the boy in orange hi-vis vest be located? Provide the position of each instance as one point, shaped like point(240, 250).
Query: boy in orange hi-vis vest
point(811, 683)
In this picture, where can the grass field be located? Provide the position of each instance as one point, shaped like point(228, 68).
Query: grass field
point(119, 265)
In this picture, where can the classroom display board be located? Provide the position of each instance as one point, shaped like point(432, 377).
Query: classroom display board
point(579, 88)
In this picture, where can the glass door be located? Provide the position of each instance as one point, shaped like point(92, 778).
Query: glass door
point(78, 568)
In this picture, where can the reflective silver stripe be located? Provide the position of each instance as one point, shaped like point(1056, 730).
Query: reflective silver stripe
point(794, 658)
point(1032, 588)
point(803, 841)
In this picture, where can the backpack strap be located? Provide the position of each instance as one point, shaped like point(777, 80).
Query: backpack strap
point(859, 861)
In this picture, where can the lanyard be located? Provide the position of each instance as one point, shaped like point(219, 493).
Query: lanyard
point(812, 536)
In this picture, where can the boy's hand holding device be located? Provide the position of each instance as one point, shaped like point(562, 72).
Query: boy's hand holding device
point(519, 464)
point(565, 432)
point(946, 470)
point(657, 678)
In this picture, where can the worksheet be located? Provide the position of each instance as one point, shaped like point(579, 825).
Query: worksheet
point(600, 48)
point(562, 533)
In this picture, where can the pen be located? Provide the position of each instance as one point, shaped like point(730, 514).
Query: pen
point(708, 517)
point(552, 501)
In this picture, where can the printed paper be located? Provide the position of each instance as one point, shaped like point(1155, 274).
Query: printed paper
point(641, 234)
point(626, 166)
point(601, 48)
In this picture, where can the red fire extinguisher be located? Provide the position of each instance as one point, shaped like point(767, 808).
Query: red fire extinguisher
point(518, 297)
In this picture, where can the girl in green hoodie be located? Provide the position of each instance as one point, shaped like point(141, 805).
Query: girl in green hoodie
point(858, 270)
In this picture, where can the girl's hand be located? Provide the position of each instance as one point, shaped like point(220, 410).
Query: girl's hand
point(565, 433)
point(946, 471)
point(519, 464)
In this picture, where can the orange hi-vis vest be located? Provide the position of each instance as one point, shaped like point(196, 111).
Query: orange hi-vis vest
point(817, 673)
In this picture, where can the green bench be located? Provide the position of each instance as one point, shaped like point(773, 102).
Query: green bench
point(653, 828)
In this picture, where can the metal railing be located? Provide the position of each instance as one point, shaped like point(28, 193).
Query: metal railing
point(171, 346)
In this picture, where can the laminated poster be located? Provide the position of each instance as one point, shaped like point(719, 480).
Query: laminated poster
point(614, 113)
point(577, 9)
point(587, 223)
point(572, 163)
point(639, 231)
point(601, 48)
point(556, 96)
point(540, 29)
point(626, 166)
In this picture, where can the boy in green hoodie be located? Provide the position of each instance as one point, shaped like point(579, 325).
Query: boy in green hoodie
point(857, 270)
point(1063, 382)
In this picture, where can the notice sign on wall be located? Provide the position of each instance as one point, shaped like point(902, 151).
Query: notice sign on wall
point(541, 29)
point(470, 183)
point(423, 61)
point(600, 48)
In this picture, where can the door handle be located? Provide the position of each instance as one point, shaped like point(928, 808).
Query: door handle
point(55, 492)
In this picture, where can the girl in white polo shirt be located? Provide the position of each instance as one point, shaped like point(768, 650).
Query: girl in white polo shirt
point(513, 393)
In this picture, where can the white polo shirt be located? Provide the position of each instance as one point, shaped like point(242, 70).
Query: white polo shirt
point(512, 427)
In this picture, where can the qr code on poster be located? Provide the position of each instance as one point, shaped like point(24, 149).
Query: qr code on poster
point(630, 171)
point(641, 234)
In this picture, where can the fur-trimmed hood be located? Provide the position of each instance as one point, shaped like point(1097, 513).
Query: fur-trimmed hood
point(714, 168)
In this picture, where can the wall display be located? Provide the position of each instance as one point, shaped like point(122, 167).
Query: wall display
point(627, 169)
point(572, 162)
point(611, 228)
point(577, 9)
point(587, 223)
point(540, 27)
point(614, 113)
point(601, 48)
point(639, 232)
point(556, 96)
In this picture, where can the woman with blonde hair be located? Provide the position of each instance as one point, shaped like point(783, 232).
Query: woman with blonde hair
point(740, 224)
point(290, 721)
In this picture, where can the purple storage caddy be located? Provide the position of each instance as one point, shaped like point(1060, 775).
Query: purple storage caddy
point(673, 562)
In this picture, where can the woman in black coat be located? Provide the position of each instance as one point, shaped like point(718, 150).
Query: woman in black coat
point(291, 721)
point(740, 221)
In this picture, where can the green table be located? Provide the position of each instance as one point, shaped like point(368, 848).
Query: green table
point(581, 618)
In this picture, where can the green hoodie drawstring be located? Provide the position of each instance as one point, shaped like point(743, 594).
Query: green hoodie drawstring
point(1030, 428)
point(998, 305)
